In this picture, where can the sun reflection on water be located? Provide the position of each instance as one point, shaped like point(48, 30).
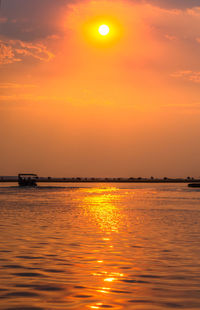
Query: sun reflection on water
point(104, 208)
point(97, 306)
point(101, 204)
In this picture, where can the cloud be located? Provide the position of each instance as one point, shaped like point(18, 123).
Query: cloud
point(15, 86)
point(32, 19)
point(170, 37)
point(7, 54)
point(175, 4)
point(192, 108)
point(16, 50)
point(189, 75)
point(3, 20)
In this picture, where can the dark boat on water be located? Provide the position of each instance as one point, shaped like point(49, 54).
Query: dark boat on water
point(27, 179)
point(196, 185)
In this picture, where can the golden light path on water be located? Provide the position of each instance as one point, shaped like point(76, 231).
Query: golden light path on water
point(100, 205)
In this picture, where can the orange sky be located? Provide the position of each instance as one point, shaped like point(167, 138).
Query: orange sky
point(74, 103)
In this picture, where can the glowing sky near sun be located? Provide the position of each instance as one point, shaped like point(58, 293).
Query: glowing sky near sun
point(123, 101)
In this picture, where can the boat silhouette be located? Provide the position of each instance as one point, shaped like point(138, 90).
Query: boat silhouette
point(27, 179)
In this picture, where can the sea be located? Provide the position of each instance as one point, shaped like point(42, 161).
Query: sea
point(100, 246)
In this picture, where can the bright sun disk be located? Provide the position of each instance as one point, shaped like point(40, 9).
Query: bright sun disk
point(104, 30)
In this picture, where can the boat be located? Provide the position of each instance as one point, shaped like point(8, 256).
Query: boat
point(194, 185)
point(27, 179)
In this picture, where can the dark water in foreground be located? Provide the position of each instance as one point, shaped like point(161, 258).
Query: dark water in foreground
point(128, 246)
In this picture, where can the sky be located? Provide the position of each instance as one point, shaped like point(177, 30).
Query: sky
point(74, 103)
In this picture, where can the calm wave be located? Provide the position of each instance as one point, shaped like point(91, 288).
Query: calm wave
point(128, 246)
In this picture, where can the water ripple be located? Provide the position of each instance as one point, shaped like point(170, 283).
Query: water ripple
point(102, 247)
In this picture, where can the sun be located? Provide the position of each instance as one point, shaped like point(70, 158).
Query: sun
point(104, 30)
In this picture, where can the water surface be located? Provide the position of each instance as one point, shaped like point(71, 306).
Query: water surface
point(128, 246)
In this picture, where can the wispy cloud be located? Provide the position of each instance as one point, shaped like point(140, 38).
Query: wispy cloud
point(3, 20)
point(194, 11)
point(193, 76)
point(170, 37)
point(16, 50)
point(184, 108)
point(15, 86)
point(181, 4)
point(7, 54)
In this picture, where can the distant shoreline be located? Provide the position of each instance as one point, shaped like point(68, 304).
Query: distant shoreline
point(102, 180)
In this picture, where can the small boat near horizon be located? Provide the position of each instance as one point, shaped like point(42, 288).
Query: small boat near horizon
point(27, 179)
